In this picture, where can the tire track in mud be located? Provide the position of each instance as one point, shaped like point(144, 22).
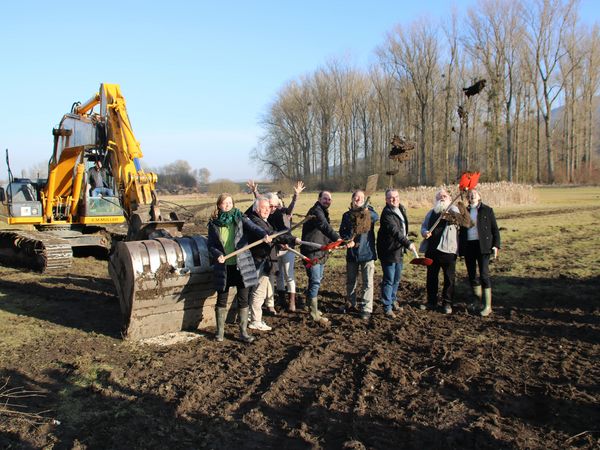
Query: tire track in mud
point(352, 367)
point(293, 394)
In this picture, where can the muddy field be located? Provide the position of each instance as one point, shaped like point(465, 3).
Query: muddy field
point(526, 377)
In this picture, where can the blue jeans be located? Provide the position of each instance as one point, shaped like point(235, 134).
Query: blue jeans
point(390, 283)
point(315, 275)
point(106, 192)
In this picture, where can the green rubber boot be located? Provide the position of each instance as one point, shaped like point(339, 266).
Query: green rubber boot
point(244, 336)
point(315, 313)
point(487, 302)
point(475, 305)
point(220, 315)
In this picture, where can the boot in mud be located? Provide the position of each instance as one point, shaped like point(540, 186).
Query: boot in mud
point(475, 305)
point(292, 303)
point(487, 302)
point(281, 300)
point(316, 314)
point(220, 315)
point(244, 336)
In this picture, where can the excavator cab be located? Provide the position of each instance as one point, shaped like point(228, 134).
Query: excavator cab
point(94, 204)
point(20, 201)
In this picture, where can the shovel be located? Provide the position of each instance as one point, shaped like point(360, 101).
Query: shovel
point(421, 261)
point(327, 247)
point(308, 262)
point(468, 181)
point(261, 241)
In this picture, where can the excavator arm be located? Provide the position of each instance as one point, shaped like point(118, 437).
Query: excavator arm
point(136, 187)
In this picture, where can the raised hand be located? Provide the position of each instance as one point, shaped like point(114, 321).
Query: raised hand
point(252, 185)
point(299, 187)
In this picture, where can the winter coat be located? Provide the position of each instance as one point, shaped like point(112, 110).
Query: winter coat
point(487, 228)
point(245, 262)
point(444, 237)
point(364, 250)
point(392, 242)
point(266, 254)
point(319, 231)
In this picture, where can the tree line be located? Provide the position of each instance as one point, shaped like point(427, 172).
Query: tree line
point(333, 127)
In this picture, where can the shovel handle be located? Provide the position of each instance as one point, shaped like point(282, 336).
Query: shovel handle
point(254, 244)
point(311, 244)
point(445, 211)
point(415, 252)
point(273, 236)
point(296, 252)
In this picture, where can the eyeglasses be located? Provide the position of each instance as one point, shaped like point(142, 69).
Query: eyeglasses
point(273, 206)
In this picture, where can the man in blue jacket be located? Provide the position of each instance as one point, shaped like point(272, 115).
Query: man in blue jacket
point(358, 227)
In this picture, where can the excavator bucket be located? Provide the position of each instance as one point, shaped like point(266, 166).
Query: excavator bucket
point(164, 285)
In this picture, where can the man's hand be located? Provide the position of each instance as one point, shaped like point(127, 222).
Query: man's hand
point(221, 259)
point(351, 244)
point(426, 234)
point(299, 187)
point(413, 248)
point(268, 239)
point(298, 241)
point(495, 252)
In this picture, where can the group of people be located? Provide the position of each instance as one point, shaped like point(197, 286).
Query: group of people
point(263, 272)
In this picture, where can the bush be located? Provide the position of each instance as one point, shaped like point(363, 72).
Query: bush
point(494, 194)
point(223, 185)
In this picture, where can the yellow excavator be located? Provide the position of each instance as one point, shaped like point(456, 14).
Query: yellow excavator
point(163, 279)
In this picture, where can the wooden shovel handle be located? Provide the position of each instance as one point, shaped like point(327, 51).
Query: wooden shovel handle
point(260, 241)
point(436, 223)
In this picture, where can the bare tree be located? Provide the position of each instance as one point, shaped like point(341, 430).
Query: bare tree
point(546, 22)
point(413, 54)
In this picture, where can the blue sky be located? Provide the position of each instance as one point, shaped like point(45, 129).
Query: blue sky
point(197, 76)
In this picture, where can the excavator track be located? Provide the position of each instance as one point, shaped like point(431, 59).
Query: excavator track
point(35, 250)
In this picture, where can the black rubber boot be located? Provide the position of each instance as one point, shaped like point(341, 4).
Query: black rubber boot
point(220, 314)
point(281, 300)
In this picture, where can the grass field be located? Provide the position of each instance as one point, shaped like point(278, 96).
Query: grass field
point(525, 377)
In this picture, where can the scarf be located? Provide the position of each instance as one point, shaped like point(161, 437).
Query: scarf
point(230, 217)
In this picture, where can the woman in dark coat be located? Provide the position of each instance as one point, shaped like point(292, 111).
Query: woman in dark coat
point(228, 229)
point(477, 244)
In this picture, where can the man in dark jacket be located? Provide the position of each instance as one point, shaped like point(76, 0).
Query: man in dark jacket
point(265, 259)
point(358, 227)
point(97, 180)
point(392, 243)
point(477, 244)
point(317, 230)
point(281, 218)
